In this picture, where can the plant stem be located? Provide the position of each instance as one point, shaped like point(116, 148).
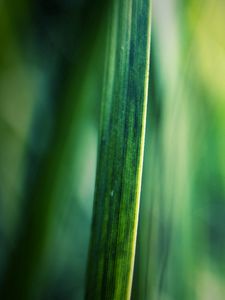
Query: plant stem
point(121, 147)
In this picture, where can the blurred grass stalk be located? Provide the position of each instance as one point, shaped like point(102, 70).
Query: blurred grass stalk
point(121, 146)
point(181, 240)
point(164, 232)
point(25, 261)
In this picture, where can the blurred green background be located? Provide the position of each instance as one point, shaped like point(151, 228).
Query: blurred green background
point(51, 72)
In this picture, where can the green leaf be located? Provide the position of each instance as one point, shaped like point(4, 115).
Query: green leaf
point(121, 147)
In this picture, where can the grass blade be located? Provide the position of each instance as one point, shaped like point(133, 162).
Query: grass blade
point(122, 131)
